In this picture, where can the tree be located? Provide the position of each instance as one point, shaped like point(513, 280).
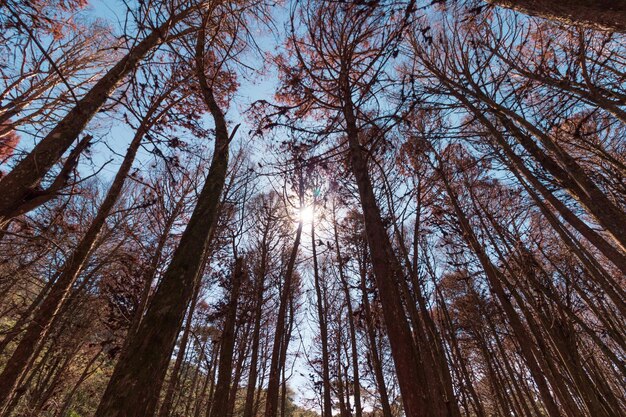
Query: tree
point(20, 185)
point(603, 15)
point(154, 340)
point(426, 217)
point(363, 40)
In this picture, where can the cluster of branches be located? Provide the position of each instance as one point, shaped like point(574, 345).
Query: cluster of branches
point(439, 232)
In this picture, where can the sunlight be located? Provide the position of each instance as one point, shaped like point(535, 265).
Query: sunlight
point(306, 215)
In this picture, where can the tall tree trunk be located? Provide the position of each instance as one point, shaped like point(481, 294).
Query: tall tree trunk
point(613, 225)
point(573, 177)
point(457, 354)
point(168, 399)
point(219, 407)
point(341, 388)
point(25, 316)
point(87, 372)
point(273, 385)
point(52, 384)
point(491, 272)
point(210, 379)
point(412, 379)
point(151, 273)
point(283, 359)
point(374, 355)
point(258, 314)
point(136, 382)
point(550, 156)
point(239, 368)
point(353, 343)
point(321, 316)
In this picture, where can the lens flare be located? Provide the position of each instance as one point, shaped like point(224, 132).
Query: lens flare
point(306, 214)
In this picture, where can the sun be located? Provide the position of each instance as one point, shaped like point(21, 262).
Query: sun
point(306, 215)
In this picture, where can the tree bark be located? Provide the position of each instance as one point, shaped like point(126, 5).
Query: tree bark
point(609, 15)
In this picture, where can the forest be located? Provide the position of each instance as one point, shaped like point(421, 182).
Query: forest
point(301, 208)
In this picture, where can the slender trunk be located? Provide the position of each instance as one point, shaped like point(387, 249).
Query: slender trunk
point(517, 165)
point(87, 372)
point(151, 272)
point(556, 161)
point(321, 315)
point(212, 369)
point(220, 404)
point(283, 359)
point(461, 361)
point(520, 332)
point(572, 176)
point(241, 359)
point(264, 370)
point(374, 356)
point(254, 355)
point(190, 400)
point(25, 316)
point(273, 385)
point(200, 395)
point(52, 385)
point(343, 408)
point(353, 344)
point(355, 356)
point(168, 400)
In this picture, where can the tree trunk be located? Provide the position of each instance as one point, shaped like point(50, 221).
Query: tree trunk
point(518, 167)
point(412, 379)
point(87, 372)
point(374, 356)
point(168, 400)
point(353, 343)
point(136, 382)
point(151, 272)
point(219, 407)
point(254, 355)
point(273, 385)
point(24, 317)
point(520, 332)
point(321, 315)
point(609, 15)
point(239, 368)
